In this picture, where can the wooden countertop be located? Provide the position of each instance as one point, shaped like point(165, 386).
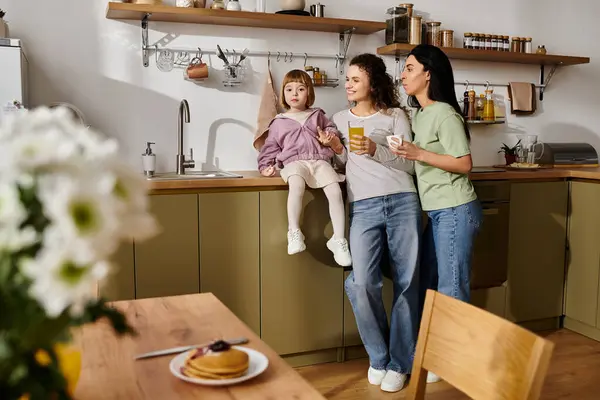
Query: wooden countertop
point(252, 180)
point(110, 372)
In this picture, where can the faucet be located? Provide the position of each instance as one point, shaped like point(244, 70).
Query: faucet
point(183, 116)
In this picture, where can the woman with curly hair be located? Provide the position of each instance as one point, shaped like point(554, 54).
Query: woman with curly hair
point(385, 221)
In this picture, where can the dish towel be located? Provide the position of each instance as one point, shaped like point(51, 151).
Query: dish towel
point(522, 97)
point(266, 112)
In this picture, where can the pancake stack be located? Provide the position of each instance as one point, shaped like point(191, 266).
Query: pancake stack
point(217, 361)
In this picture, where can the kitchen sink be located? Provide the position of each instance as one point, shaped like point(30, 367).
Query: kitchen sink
point(169, 176)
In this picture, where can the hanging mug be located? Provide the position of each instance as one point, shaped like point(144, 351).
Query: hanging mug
point(197, 69)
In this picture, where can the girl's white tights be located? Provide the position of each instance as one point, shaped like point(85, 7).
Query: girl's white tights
point(334, 197)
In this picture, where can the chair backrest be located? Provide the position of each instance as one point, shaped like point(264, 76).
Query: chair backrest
point(479, 353)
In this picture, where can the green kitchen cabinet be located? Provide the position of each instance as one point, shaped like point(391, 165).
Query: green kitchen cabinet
point(302, 294)
point(120, 284)
point(229, 252)
point(536, 252)
point(583, 268)
point(168, 264)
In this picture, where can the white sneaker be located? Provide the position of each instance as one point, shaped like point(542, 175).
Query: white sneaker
point(375, 376)
point(393, 381)
point(295, 241)
point(341, 253)
point(432, 378)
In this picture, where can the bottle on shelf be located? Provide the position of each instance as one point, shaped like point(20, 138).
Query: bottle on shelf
point(488, 107)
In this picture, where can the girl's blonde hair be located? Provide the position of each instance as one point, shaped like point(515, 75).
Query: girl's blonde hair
point(299, 76)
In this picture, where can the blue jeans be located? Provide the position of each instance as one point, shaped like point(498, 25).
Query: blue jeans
point(386, 227)
point(447, 250)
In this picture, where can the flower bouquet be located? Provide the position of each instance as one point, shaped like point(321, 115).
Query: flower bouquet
point(66, 203)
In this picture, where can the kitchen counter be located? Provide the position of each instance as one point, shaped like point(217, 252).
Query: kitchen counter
point(252, 180)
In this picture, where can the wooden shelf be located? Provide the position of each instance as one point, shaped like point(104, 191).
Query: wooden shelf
point(240, 18)
point(459, 53)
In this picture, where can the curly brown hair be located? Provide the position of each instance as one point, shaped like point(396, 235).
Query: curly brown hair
point(384, 93)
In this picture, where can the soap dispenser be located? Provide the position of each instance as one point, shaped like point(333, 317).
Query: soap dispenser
point(149, 160)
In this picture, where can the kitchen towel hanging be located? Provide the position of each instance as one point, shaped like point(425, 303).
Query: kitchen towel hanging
point(522, 98)
point(267, 110)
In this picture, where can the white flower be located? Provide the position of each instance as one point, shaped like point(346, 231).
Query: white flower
point(13, 239)
point(89, 201)
point(130, 193)
point(82, 212)
point(12, 212)
point(59, 283)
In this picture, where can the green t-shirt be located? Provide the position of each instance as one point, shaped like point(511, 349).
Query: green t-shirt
point(438, 128)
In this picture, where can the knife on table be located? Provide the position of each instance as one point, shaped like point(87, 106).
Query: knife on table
point(181, 349)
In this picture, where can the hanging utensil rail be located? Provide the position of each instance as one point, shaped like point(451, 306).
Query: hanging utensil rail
point(278, 56)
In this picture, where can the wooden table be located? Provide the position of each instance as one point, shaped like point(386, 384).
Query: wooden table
point(109, 371)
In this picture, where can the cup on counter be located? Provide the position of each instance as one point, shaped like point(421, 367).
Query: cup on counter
point(356, 131)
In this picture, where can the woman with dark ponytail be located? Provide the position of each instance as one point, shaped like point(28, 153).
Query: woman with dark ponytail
point(442, 158)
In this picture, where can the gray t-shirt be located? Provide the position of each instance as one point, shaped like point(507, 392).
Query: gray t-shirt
point(385, 173)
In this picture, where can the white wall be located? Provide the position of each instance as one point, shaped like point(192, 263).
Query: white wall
point(78, 56)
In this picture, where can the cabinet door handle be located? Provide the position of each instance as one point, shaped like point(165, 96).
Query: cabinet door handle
point(491, 211)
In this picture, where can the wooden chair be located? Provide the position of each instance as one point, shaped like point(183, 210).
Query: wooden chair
point(479, 353)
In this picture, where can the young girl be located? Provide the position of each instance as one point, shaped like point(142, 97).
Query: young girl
point(304, 142)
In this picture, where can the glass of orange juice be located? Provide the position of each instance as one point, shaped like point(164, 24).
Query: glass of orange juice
point(356, 131)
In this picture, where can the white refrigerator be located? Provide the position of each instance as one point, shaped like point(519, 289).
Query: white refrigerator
point(13, 73)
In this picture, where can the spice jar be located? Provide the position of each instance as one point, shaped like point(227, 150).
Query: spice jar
point(522, 44)
point(476, 41)
point(434, 35)
point(488, 42)
point(397, 22)
point(447, 38)
point(468, 40)
point(528, 46)
point(515, 45)
point(506, 43)
point(495, 42)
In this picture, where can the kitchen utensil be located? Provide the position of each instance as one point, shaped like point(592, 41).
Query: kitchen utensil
point(242, 57)
point(317, 10)
point(181, 349)
point(228, 65)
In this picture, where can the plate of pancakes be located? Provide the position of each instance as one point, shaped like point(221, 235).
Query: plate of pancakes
point(218, 364)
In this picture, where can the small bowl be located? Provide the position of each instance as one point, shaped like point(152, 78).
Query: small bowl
point(394, 140)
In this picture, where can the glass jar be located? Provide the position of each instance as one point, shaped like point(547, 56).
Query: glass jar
point(515, 46)
point(468, 40)
point(434, 34)
point(495, 42)
point(447, 38)
point(528, 45)
point(217, 5)
point(397, 25)
point(488, 42)
point(475, 41)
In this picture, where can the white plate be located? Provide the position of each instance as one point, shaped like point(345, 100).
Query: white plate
point(258, 363)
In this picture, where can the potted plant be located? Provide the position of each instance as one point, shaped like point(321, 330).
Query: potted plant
point(66, 202)
point(510, 153)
